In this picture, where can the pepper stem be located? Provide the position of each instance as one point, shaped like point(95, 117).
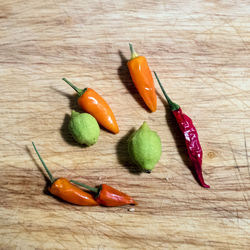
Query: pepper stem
point(78, 91)
point(52, 179)
point(133, 53)
point(95, 190)
point(172, 105)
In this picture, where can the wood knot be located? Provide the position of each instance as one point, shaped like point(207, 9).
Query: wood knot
point(211, 155)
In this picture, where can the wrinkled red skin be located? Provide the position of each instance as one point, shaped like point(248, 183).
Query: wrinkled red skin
point(192, 143)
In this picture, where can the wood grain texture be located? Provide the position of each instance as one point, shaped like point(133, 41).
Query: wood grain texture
point(200, 50)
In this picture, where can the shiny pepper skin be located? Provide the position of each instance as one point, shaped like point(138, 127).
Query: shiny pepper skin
point(111, 197)
point(91, 102)
point(95, 105)
point(108, 196)
point(142, 79)
point(65, 190)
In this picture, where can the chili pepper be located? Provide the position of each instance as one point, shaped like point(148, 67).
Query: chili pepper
point(108, 196)
point(94, 104)
point(190, 134)
point(142, 78)
point(65, 190)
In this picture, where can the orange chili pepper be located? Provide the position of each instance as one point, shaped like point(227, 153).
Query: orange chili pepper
point(94, 104)
point(142, 78)
point(65, 190)
point(108, 196)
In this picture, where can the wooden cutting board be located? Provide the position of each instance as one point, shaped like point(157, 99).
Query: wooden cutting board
point(200, 50)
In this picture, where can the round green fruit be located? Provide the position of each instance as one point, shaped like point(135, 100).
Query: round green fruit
point(144, 147)
point(84, 128)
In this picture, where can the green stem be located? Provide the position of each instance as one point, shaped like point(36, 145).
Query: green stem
point(79, 91)
point(95, 190)
point(172, 105)
point(52, 179)
point(133, 53)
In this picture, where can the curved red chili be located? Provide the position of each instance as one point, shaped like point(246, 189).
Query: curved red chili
point(190, 134)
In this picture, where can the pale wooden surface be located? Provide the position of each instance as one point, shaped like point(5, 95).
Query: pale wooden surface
point(200, 50)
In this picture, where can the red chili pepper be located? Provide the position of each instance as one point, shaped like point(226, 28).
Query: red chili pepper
point(191, 136)
point(65, 190)
point(108, 196)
